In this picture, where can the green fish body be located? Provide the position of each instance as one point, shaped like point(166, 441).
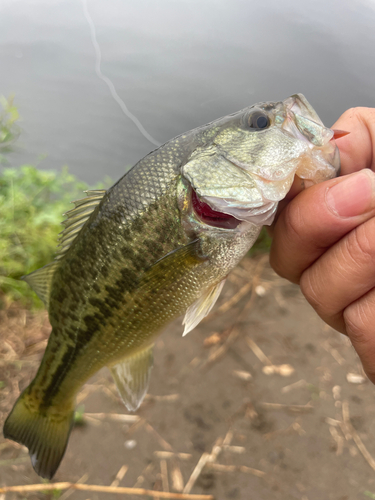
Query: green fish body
point(156, 245)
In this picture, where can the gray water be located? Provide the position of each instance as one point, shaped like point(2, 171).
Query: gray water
point(176, 64)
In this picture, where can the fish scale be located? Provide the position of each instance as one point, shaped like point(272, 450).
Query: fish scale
point(141, 254)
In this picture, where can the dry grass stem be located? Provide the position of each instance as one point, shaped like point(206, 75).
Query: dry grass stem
point(167, 397)
point(196, 472)
point(220, 351)
point(164, 474)
point(339, 440)
point(232, 301)
point(235, 468)
point(334, 353)
point(332, 421)
point(141, 478)
point(242, 375)
point(116, 417)
point(292, 408)
point(120, 475)
point(70, 491)
point(207, 457)
point(234, 449)
point(162, 442)
point(294, 427)
point(170, 454)
point(103, 489)
point(228, 438)
point(296, 385)
point(258, 352)
point(176, 475)
point(358, 441)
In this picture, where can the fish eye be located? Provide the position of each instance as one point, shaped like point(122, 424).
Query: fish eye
point(258, 120)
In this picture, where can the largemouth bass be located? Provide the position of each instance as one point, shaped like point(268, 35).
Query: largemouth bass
point(158, 244)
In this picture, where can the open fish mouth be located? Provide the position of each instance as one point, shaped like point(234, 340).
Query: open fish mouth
point(212, 217)
point(246, 186)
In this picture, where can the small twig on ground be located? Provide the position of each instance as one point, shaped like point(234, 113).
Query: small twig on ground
point(176, 475)
point(258, 352)
point(235, 468)
point(292, 408)
point(103, 489)
point(162, 442)
point(208, 457)
point(232, 301)
point(170, 454)
point(119, 476)
point(167, 397)
point(358, 441)
point(70, 491)
point(269, 368)
point(334, 353)
point(295, 385)
point(117, 417)
point(141, 478)
point(339, 440)
point(220, 351)
point(164, 474)
point(294, 427)
point(204, 459)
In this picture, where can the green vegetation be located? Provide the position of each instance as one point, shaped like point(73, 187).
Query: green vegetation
point(9, 130)
point(32, 202)
point(263, 243)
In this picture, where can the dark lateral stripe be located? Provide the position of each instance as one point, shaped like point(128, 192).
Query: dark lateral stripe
point(53, 387)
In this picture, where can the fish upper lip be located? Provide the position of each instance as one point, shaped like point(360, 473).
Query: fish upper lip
point(298, 126)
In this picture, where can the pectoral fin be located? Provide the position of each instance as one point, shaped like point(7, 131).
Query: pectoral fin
point(201, 307)
point(132, 377)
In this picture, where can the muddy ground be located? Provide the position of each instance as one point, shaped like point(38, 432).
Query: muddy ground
point(262, 385)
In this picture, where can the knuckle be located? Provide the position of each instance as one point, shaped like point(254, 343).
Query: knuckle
point(356, 322)
point(310, 290)
point(361, 114)
point(361, 245)
point(294, 222)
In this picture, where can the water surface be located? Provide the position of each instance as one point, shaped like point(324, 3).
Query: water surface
point(176, 65)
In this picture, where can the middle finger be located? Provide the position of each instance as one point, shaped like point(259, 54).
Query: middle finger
point(342, 274)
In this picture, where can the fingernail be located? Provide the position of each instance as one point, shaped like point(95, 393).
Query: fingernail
point(354, 195)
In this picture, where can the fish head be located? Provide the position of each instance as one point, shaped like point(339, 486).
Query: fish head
point(252, 157)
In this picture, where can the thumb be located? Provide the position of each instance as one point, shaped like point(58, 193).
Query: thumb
point(319, 217)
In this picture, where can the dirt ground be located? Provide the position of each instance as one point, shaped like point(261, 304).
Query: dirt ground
point(272, 401)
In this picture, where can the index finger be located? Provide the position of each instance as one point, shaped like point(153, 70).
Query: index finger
point(357, 149)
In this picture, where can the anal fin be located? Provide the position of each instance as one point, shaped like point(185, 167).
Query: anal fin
point(201, 307)
point(132, 377)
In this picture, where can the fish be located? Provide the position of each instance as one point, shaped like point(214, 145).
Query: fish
point(156, 245)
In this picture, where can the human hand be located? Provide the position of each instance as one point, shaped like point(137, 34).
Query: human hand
point(324, 239)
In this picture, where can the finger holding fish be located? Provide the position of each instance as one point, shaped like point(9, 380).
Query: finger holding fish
point(324, 239)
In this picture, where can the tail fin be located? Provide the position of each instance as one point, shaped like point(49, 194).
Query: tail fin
point(45, 433)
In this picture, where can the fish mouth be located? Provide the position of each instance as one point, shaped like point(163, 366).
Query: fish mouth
point(321, 160)
point(212, 217)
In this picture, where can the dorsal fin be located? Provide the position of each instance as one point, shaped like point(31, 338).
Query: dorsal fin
point(77, 217)
point(132, 376)
point(40, 281)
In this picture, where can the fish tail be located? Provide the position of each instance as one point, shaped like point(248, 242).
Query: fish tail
point(45, 432)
